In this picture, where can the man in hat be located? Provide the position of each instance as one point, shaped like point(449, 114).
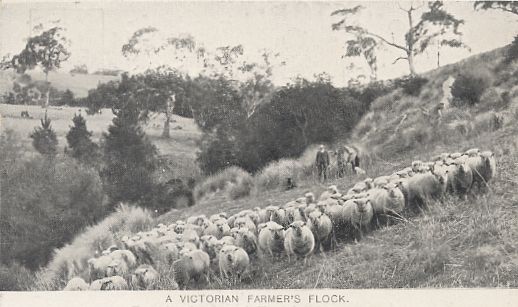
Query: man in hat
point(322, 163)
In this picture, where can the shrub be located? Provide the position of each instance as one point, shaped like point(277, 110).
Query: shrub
point(468, 88)
point(44, 138)
point(233, 181)
point(129, 159)
point(79, 140)
point(275, 174)
point(411, 85)
point(512, 52)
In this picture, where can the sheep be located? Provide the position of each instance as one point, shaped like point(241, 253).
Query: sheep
point(76, 284)
point(271, 239)
point(169, 252)
point(196, 220)
point(385, 201)
point(245, 222)
point(192, 265)
point(208, 244)
point(262, 214)
point(246, 240)
point(331, 190)
point(483, 166)
point(358, 213)
point(126, 256)
point(322, 228)
point(310, 198)
point(295, 214)
point(117, 268)
point(279, 216)
point(361, 186)
point(98, 267)
point(421, 188)
point(299, 241)
point(191, 236)
point(380, 181)
point(461, 176)
point(233, 261)
point(145, 277)
point(109, 283)
point(109, 250)
point(227, 240)
point(218, 229)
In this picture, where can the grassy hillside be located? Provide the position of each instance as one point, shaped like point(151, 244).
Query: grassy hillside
point(455, 243)
point(79, 84)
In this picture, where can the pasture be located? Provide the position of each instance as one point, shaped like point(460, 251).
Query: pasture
point(180, 148)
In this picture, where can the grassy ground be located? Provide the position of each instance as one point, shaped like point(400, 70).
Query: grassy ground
point(456, 243)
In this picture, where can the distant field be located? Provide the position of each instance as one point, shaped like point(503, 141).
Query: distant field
point(181, 147)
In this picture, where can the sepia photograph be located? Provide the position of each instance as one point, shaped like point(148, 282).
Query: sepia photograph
point(267, 148)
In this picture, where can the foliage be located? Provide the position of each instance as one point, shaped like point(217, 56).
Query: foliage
point(129, 157)
point(79, 69)
point(506, 6)
point(233, 181)
point(44, 204)
point(79, 140)
point(44, 138)
point(468, 88)
point(15, 277)
point(411, 85)
point(434, 25)
point(512, 52)
point(67, 99)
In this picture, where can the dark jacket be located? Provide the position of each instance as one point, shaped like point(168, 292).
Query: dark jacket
point(322, 158)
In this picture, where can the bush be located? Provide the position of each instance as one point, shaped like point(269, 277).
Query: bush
point(81, 145)
point(44, 138)
point(275, 174)
point(512, 52)
point(468, 88)
point(233, 181)
point(129, 159)
point(44, 204)
point(411, 85)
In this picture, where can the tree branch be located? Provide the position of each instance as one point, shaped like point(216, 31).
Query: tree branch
point(400, 58)
point(386, 41)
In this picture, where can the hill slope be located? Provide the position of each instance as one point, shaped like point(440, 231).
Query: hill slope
point(79, 84)
point(455, 243)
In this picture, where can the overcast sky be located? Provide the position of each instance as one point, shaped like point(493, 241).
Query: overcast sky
point(299, 31)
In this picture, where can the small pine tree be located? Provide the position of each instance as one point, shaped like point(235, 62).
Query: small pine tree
point(79, 140)
point(129, 159)
point(44, 138)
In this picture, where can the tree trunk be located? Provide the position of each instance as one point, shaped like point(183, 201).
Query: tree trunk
point(168, 112)
point(410, 43)
point(48, 90)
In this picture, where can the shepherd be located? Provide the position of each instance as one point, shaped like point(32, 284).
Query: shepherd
point(322, 163)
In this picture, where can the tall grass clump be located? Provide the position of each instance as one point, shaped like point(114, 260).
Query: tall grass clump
point(15, 277)
point(276, 173)
point(233, 181)
point(71, 260)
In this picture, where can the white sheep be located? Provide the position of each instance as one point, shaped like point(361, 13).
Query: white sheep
point(98, 266)
point(145, 277)
point(247, 240)
point(109, 283)
point(262, 214)
point(310, 198)
point(295, 213)
point(246, 222)
point(193, 265)
point(331, 190)
point(271, 239)
point(386, 201)
point(422, 188)
point(233, 261)
point(279, 216)
point(322, 228)
point(358, 213)
point(169, 252)
point(76, 284)
point(218, 229)
point(299, 241)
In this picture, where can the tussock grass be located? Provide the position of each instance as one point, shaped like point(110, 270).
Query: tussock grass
point(71, 260)
point(233, 182)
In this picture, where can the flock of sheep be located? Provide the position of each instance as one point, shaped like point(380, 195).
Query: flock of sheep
point(229, 245)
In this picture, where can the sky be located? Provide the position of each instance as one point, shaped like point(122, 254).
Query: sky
point(299, 31)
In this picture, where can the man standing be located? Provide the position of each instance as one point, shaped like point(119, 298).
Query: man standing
point(322, 162)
